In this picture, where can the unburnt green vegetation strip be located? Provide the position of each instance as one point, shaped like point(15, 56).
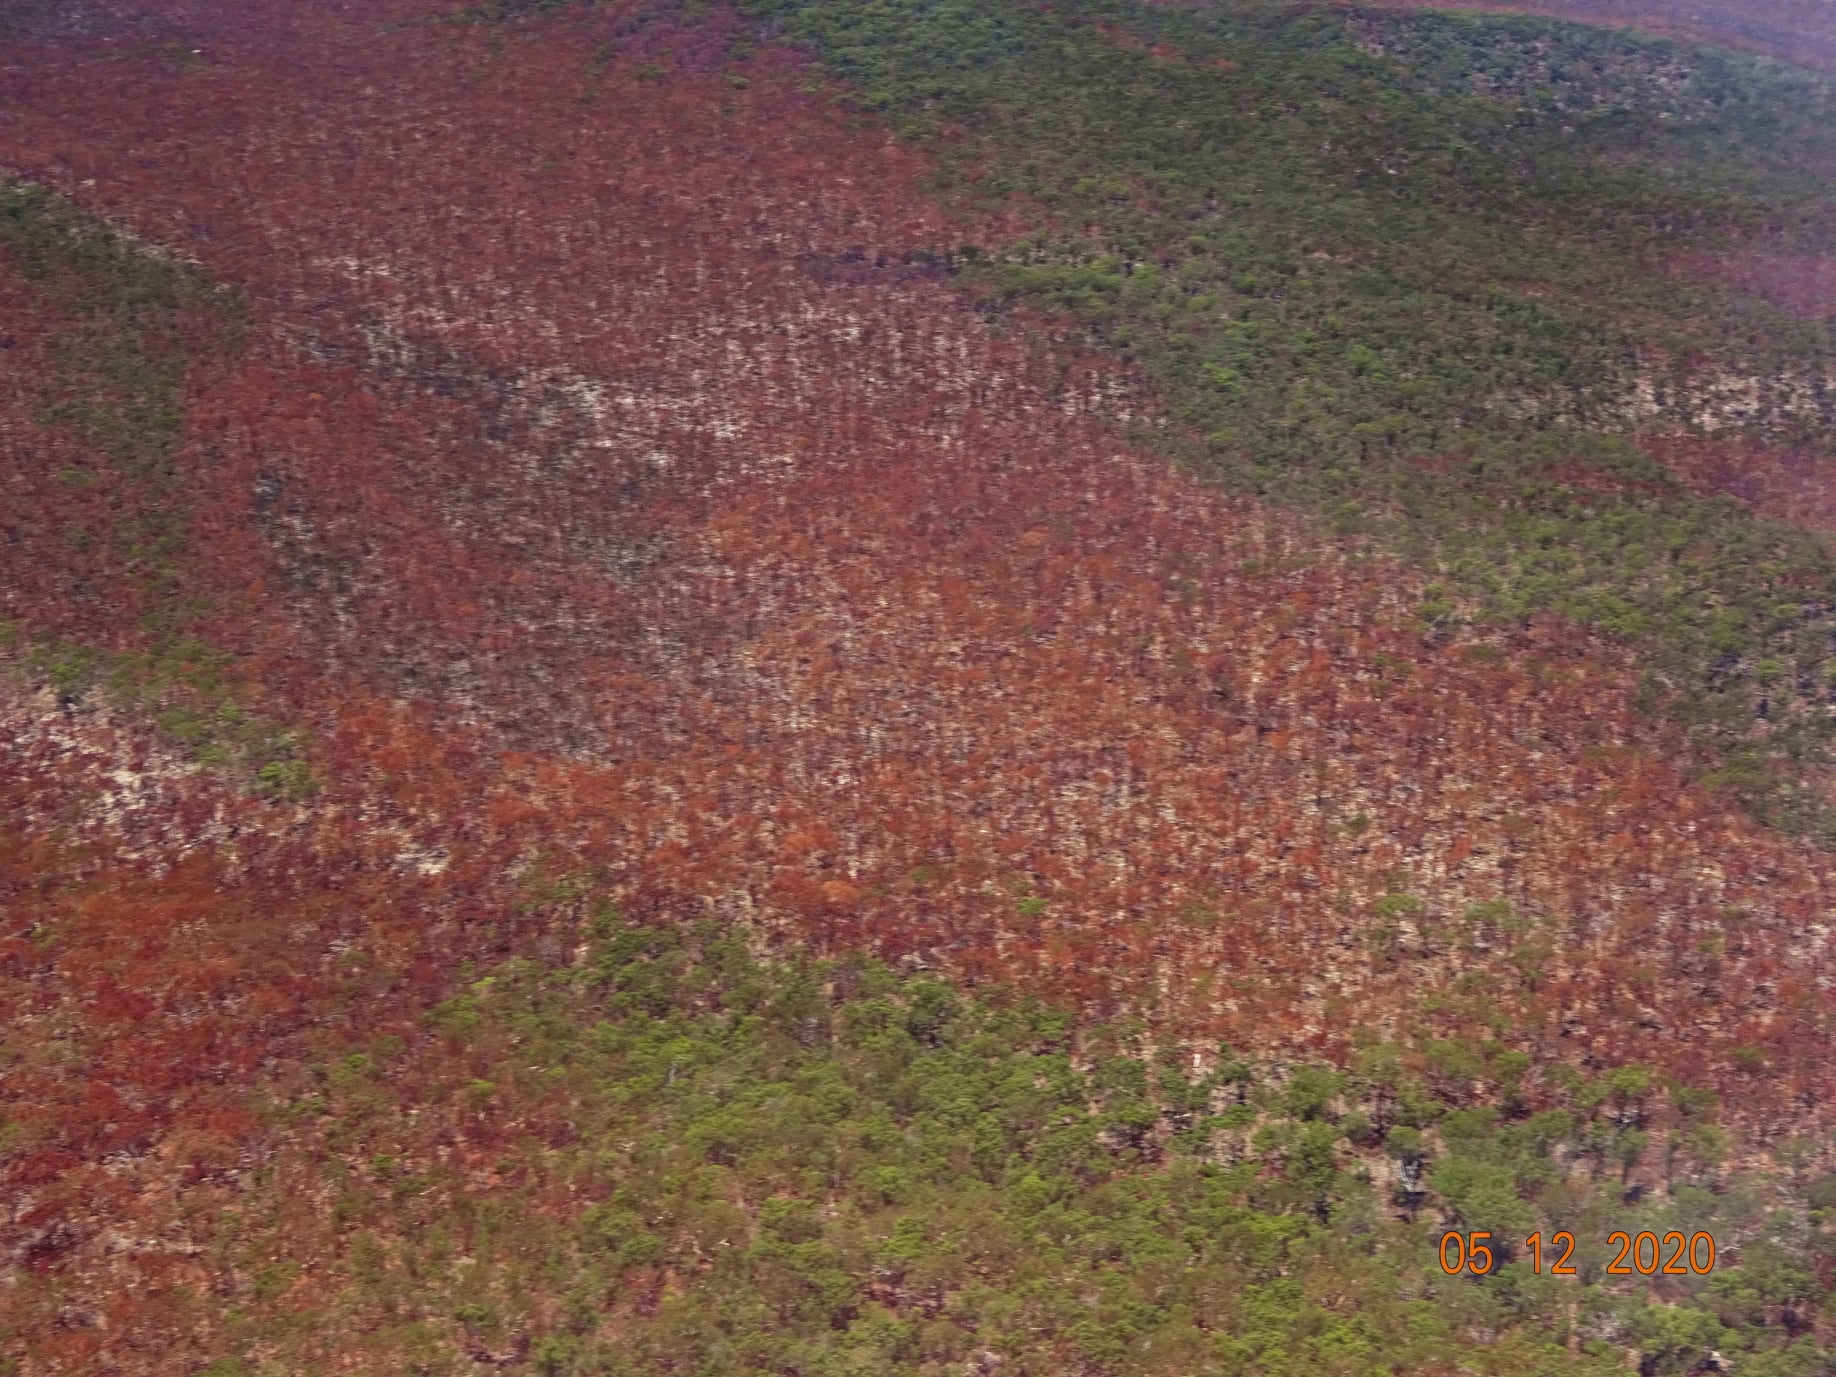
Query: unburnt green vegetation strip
point(136, 323)
point(1346, 242)
point(725, 1165)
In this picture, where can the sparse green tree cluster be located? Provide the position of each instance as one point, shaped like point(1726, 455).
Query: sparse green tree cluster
point(729, 1166)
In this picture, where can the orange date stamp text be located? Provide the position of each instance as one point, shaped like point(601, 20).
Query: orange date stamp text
point(1641, 1254)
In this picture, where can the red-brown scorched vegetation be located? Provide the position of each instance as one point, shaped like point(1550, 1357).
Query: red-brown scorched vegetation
point(603, 486)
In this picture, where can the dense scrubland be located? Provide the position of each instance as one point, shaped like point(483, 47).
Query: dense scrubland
point(1796, 30)
point(837, 688)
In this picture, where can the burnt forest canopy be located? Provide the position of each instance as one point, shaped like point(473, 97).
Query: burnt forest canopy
point(823, 687)
point(1461, 282)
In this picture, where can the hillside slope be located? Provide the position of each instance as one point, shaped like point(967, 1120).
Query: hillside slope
point(473, 474)
point(1098, 684)
point(1794, 30)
